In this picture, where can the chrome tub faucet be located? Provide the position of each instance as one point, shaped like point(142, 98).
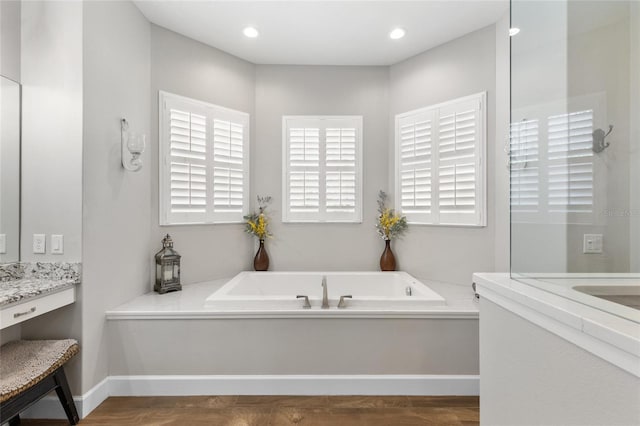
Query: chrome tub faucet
point(325, 298)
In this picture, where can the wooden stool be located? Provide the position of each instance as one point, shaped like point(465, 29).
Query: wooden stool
point(29, 370)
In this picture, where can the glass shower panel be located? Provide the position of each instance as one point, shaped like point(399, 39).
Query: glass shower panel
point(574, 138)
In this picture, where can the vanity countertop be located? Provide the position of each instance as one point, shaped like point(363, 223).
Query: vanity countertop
point(18, 290)
point(23, 281)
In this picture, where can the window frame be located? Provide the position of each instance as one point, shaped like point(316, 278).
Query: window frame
point(322, 216)
point(211, 112)
point(434, 217)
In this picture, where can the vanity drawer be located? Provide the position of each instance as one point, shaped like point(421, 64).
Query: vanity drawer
point(32, 308)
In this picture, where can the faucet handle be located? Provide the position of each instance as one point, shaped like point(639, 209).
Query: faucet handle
point(306, 305)
point(342, 303)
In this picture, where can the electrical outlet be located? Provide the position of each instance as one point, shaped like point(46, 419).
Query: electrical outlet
point(57, 244)
point(39, 244)
point(592, 244)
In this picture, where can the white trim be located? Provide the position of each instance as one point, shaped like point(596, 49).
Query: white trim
point(295, 385)
point(604, 335)
point(367, 384)
point(239, 314)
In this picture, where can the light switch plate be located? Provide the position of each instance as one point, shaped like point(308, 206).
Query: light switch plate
point(592, 244)
point(57, 244)
point(39, 244)
point(3, 243)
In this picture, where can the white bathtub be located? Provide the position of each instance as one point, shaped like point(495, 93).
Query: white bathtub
point(265, 291)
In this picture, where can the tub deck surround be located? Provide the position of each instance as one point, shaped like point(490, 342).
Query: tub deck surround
point(608, 330)
point(458, 302)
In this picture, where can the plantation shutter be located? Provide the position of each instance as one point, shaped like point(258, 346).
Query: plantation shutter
point(416, 164)
point(570, 162)
point(321, 174)
point(459, 172)
point(187, 130)
point(440, 171)
point(525, 166)
point(203, 162)
point(228, 168)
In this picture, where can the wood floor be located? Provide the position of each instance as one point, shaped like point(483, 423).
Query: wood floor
point(282, 410)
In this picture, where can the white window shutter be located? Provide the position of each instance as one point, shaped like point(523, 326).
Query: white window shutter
point(228, 159)
point(188, 153)
point(304, 170)
point(460, 151)
point(415, 161)
point(321, 177)
point(204, 162)
point(570, 158)
point(440, 165)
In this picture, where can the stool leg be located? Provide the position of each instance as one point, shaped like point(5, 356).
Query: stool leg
point(64, 395)
point(15, 420)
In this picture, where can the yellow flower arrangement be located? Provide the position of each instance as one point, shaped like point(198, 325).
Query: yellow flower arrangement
point(258, 223)
point(390, 224)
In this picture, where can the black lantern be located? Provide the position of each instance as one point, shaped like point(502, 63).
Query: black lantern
point(167, 268)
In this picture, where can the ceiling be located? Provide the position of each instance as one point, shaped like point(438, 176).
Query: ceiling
point(323, 32)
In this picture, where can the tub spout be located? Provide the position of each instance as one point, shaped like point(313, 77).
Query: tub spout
point(325, 298)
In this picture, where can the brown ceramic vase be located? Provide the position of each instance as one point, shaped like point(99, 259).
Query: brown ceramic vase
point(387, 260)
point(261, 261)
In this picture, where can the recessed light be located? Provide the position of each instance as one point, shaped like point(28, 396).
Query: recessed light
point(251, 32)
point(513, 31)
point(397, 33)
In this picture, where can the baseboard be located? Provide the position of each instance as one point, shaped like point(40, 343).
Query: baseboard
point(294, 385)
point(50, 408)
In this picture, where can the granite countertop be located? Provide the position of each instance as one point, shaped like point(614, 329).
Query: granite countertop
point(26, 288)
point(20, 281)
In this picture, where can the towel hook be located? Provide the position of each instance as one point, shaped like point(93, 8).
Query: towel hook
point(599, 136)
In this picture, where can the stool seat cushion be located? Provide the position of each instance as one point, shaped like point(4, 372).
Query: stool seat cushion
point(23, 363)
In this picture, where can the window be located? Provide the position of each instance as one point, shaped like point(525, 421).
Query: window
point(440, 165)
point(204, 162)
point(322, 173)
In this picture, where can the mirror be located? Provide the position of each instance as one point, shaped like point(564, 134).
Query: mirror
point(9, 170)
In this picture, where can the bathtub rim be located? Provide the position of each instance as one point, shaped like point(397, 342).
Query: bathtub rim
point(427, 295)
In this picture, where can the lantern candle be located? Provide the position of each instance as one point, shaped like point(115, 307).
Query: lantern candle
point(167, 268)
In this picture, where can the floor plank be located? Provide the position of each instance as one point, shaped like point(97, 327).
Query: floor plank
point(282, 411)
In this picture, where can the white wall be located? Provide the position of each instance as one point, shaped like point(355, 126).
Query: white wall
point(461, 67)
point(530, 376)
point(606, 50)
point(115, 242)
point(116, 253)
point(10, 39)
point(185, 67)
point(313, 90)
point(52, 126)
point(10, 169)
point(634, 159)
